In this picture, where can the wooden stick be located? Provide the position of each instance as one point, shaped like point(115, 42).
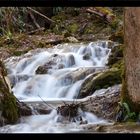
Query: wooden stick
point(103, 16)
point(35, 31)
point(34, 20)
point(41, 15)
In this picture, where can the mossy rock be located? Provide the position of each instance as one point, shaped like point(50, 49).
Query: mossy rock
point(9, 108)
point(119, 64)
point(103, 80)
point(8, 101)
point(116, 55)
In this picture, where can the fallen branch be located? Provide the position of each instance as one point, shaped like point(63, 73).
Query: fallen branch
point(36, 31)
point(50, 20)
point(108, 18)
point(46, 103)
point(34, 20)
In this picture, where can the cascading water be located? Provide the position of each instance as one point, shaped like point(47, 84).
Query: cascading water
point(54, 74)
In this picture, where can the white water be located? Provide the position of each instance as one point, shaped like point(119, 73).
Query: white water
point(67, 70)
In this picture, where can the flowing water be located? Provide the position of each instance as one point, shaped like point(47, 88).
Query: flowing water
point(54, 74)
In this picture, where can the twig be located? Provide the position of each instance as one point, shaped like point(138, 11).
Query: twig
point(35, 31)
point(47, 103)
point(41, 14)
point(34, 20)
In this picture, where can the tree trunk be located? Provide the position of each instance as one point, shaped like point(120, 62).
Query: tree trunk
point(131, 87)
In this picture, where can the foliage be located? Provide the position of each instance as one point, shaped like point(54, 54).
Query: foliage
point(12, 19)
point(124, 113)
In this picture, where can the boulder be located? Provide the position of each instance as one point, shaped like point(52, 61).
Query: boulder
point(55, 61)
point(98, 81)
point(76, 75)
point(104, 105)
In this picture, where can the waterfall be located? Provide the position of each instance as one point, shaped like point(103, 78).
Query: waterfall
point(66, 70)
point(54, 73)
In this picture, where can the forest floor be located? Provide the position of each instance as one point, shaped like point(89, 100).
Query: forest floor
point(71, 26)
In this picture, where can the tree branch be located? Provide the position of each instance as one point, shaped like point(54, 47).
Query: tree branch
point(50, 20)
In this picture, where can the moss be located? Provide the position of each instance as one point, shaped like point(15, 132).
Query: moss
point(119, 64)
point(104, 10)
point(107, 79)
point(116, 55)
point(104, 80)
point(118, 36)
point(9, 108)
point(59, 17)
point(18, 53)
point(41, 44)
point(73, 28)
point(8, 101)
point(90, 28)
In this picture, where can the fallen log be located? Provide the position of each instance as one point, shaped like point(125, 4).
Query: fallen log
point(33, 10)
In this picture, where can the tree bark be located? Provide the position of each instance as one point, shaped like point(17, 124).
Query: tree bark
point(131, 94)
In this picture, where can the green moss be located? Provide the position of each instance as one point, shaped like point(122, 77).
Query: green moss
point(104, 10)
point(107, 79)
point(8, 101)
point(119, 64)
point(9, 108)
point(60, 17)
point(41, 44)
point(89, 30)
point(18, 53)
point(73, 28)
point(104, 80)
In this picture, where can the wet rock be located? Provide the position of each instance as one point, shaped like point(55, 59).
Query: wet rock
point(43, 69)
point(54, 62)
point(86, 56)
point(102, 80)
point(76, 75)
point(24, 110)
point(105, 104)
point(71, 60)
point(17, 78)
point(43, 111)
point(129, 127)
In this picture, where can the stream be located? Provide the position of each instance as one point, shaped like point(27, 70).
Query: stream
point(55, 75)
